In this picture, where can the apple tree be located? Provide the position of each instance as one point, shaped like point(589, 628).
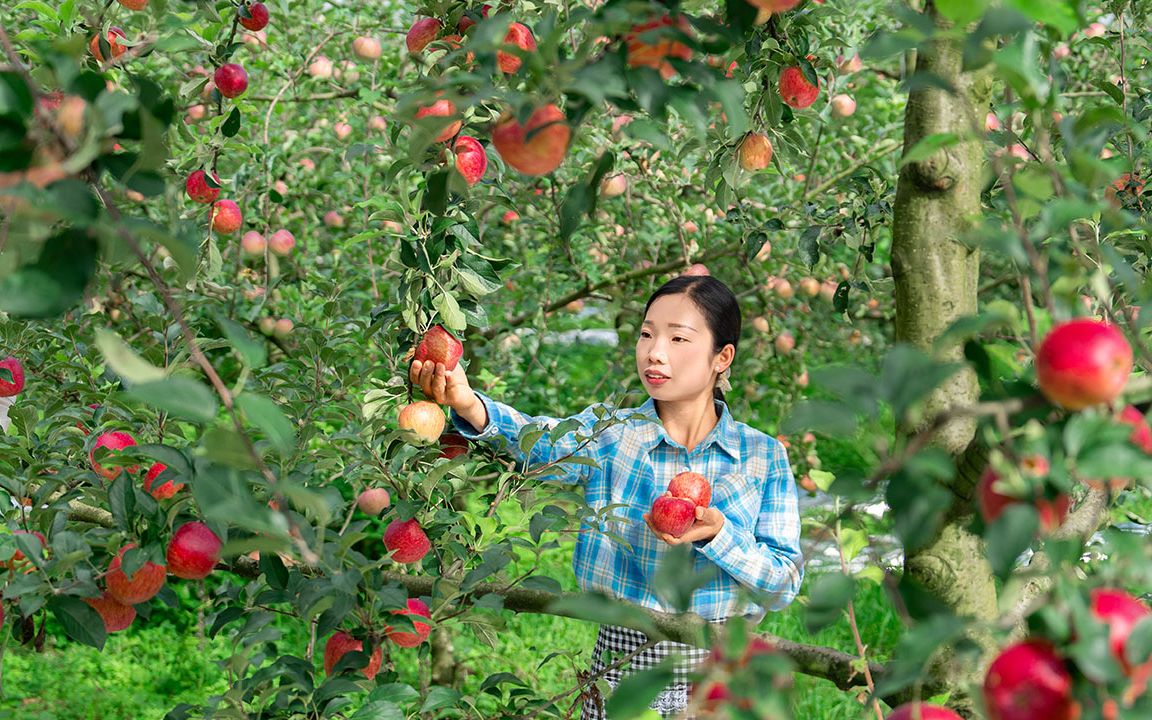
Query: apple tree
point(227, 227)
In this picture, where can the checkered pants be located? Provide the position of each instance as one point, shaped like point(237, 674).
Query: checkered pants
point(613, 642)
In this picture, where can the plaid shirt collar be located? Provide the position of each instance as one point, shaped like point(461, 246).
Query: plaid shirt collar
point(724, 434)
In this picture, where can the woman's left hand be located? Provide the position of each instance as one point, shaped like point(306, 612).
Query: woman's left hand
point(709, 520)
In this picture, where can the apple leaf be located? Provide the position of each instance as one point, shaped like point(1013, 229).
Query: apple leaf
point(81, 622)
point(379, 710)
point(637, 691)
point(264, 414)
point(124, 361)
point(1009, 536)
point(827, 599)
point(56, 281)
point(250, 350)
point(178, 396)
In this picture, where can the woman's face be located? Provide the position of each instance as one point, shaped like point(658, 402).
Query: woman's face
point(674, 351)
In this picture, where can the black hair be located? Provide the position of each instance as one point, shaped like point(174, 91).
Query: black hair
point(716, 302)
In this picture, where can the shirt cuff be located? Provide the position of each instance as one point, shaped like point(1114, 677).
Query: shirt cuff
point(721, 545)
point(466, 428)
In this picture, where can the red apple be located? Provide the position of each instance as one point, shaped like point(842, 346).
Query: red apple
point(367, 48)
point(923, 711)
point(134, 4)
point(795, 89)
point(200, 190)
point(333, 219)
point(226, 217)
point(843, 105)
point(114, 441)
point(373, 501)
point(12, 387)
point(281, 242)
point(1028, 681)
point(1120, 612)
point(411, 639)
point(253, 243)
point(18, 556)
point(656, 54)
point(847, 66)
point(115, 614)
point(775, 6)
point(406, 541)
point(340, 644)
point(115, 48)
point(692, 486)
point(445, 109)
point(992, 503)
point(510, 217)
point(231, 80)
point(439, 346)
point(257, 17)
point(785, 343)
point(282, 328)
point(754, 152)
point(140, 587)
point(164, 490)
point(520, 36)
point(471, 159)
point(673, 515)
point(453, 445)
point(1141, 435)
point(193, 551)
point(320, 68)
point(424, 419)
point(1083, 362)
point(539, 154)
point(422, 32)
point(613, 185)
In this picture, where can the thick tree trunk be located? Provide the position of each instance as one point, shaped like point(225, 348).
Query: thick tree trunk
point(937, 199)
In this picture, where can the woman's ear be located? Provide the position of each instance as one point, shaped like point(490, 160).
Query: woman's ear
point(724, 357)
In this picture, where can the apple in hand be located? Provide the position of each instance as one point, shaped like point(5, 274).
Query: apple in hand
point(12, 388)
point(424, 419)
point(691, 486)
point(1083, 362)
point(673, 515)
point(439, 346)
point(340, 644)
point(193, 551)
point(406, 541)
point(411, 639)
point(140, 587)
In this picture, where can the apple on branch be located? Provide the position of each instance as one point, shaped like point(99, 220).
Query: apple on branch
point(423, 419)
point(411, 639)
point(406, 541)
point(439, 346)
point(11, 387)
point(193, 551)
point(340, 644)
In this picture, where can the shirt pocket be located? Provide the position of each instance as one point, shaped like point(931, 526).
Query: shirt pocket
point(738, 496)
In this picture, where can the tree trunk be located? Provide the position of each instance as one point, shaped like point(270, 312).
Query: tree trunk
point(937, 199)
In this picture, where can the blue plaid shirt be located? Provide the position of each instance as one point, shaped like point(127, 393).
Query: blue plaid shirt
point(752, 485)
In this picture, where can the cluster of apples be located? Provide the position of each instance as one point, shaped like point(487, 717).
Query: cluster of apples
point(675, 511)
point(281, 242)
point(341, 643)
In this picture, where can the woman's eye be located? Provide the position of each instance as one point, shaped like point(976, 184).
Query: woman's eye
point(680, 338)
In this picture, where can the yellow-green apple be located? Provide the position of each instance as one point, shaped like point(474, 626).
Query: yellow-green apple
point(164, 490)
point(1028, 681)
point(281, 242)
point(1083, 362)
point(11, 386)
point(423, 419)
point(340, 644)
point(439, 346)
point(1120, 612)
point(193, 551)
point(373, 501)
point(231, 80)
point(755, 152)
point(785, 342)
point(254, 17)
point(810, 286)
point(253, 243)
point(672, 515)
point(406, 541)
point(519, 36)
point(923, 711)
point(266, 325)
point(422, 32)
point(114, 47)
point(442, 109)
point(140, 587)
point(366, 48)
point(795, 89)
point(114, 441)
point(418, 608)
point(283, 328)
point(613, 185)
point(378, 123)
point(226, 217)
point(643, 52)
point(691, 486)
point(471, 159)
point(843, 105)
point(539, 154)
point(115, 614)
point(342, 130)
point(1052, 511)
point(201, 188)
point(320, 68)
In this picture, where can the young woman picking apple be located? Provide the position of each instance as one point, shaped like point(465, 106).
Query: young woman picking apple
point(747, 537)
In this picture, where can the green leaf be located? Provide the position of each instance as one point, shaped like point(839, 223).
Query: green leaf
point(961, 12)
point(180, 397)
point(81, 622)
point(124, 361)
point(827, 600)
point(231, 126)
point(264, 414)
point(378, 710)
point(55, 283)
point(602, 609)
point(439, 697)
point(637, 691)
point(1010, 535)
point(122, 500)
point(252, 351)
point(1060, 14)
point(449, 311)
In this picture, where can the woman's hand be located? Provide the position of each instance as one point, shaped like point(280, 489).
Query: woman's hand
point(709, 520)
point(443, 387)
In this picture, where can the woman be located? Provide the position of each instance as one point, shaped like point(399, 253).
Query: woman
point(748, 537)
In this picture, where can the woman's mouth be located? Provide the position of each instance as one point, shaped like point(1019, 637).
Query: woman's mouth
point(655, 378)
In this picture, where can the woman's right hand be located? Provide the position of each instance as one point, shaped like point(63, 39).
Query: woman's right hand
point(443, 387)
